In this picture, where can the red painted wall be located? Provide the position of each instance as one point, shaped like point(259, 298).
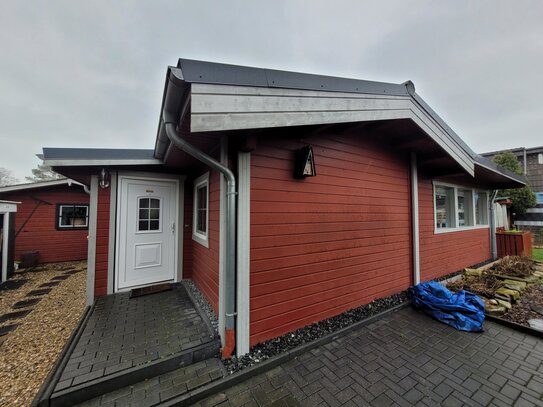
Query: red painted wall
point(40, 232)
point(445, 253)
point(326, 244)
point(102, 242)
point(202, 263)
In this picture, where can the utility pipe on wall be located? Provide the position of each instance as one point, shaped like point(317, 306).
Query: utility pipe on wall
point(492, 221)
point(230, 269)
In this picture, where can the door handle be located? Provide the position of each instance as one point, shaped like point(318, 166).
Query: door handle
point(172, 226)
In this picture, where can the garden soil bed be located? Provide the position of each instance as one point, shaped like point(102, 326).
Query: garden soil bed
point(530, 306)
point(28, 353)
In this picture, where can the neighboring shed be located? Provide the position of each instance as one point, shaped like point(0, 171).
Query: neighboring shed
point(286, 197)
point(52, 219)
point(8, 211)
point(531, 160)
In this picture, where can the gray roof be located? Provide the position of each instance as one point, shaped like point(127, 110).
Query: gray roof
point(224, 74)
point(191, 71)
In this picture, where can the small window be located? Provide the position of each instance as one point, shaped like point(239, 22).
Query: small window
point(481, 204)
point(445, 214)
point(201, 210)
point(148, 214)
point(540, 158)
point(465, 207)
point(459, 208)
point(72, 217)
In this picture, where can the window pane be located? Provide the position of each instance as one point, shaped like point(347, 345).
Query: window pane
point(201, 224)
point(154, 225)
point(144, 202)
point(445, 207)
point(465, 207)
point(202, 197)
point(481, 204)
point(144, 214)
point(143, 225)
point(154, 214)
point(155, 203)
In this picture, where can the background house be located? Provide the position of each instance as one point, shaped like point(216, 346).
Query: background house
point(52, 219)
point(531, 160)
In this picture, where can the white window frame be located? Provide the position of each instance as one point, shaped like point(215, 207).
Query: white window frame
point(71, 227)
point(197, 236)
point(456, 220)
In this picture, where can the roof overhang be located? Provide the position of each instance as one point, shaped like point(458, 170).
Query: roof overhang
point(88, 157)
point(39, 185)
point(80, 163)
point(219, 97)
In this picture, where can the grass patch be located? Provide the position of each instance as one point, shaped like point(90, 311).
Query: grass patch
point(537, 254)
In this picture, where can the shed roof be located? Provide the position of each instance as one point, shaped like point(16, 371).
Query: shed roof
point(38, 185)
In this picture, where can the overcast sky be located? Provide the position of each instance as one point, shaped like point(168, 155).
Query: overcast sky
point(91, 73)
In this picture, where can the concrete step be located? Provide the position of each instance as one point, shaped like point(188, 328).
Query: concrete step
point(158, 389)
point(189, 360)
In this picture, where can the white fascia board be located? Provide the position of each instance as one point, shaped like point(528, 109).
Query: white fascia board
point(34, 185)
point(89, 163)
point(223, 107)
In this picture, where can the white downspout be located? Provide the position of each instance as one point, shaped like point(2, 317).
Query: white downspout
point(415, 218)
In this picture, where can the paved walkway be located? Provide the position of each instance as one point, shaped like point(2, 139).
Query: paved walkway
point(404, 359)
point(123, 333)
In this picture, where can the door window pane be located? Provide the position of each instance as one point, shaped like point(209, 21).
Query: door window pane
point(148, 219)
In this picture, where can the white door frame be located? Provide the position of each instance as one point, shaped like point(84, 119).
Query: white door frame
point(179, 207)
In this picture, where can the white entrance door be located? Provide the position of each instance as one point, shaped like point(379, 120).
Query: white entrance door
point(147, 232)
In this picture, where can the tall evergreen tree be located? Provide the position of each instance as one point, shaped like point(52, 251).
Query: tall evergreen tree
point(43, 173)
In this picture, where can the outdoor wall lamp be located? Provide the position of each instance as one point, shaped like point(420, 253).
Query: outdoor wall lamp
point(304, 166)
point(104, 178)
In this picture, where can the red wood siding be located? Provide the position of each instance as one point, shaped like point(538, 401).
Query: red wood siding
point(40, 232)
point(102, 242)
point(326, 244)
point(205, 261)
point(444, 253)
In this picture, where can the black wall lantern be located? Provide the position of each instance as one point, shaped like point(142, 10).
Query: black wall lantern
point(305, 163)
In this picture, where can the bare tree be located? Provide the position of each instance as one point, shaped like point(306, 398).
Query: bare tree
point(6, 177)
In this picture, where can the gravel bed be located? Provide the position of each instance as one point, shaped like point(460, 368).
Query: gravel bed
point(204, 304)
point(28, 353)
point(309, 333)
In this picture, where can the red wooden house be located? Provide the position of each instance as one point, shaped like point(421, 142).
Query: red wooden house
point(287, 198)
point(52, 219)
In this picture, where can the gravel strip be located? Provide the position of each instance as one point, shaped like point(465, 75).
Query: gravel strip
point(312, 332)
point(204, 304)
point(29, 352)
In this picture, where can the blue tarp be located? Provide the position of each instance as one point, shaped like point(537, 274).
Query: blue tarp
point(464, 310)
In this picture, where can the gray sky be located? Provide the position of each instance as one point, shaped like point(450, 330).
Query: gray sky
point(91, 73)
